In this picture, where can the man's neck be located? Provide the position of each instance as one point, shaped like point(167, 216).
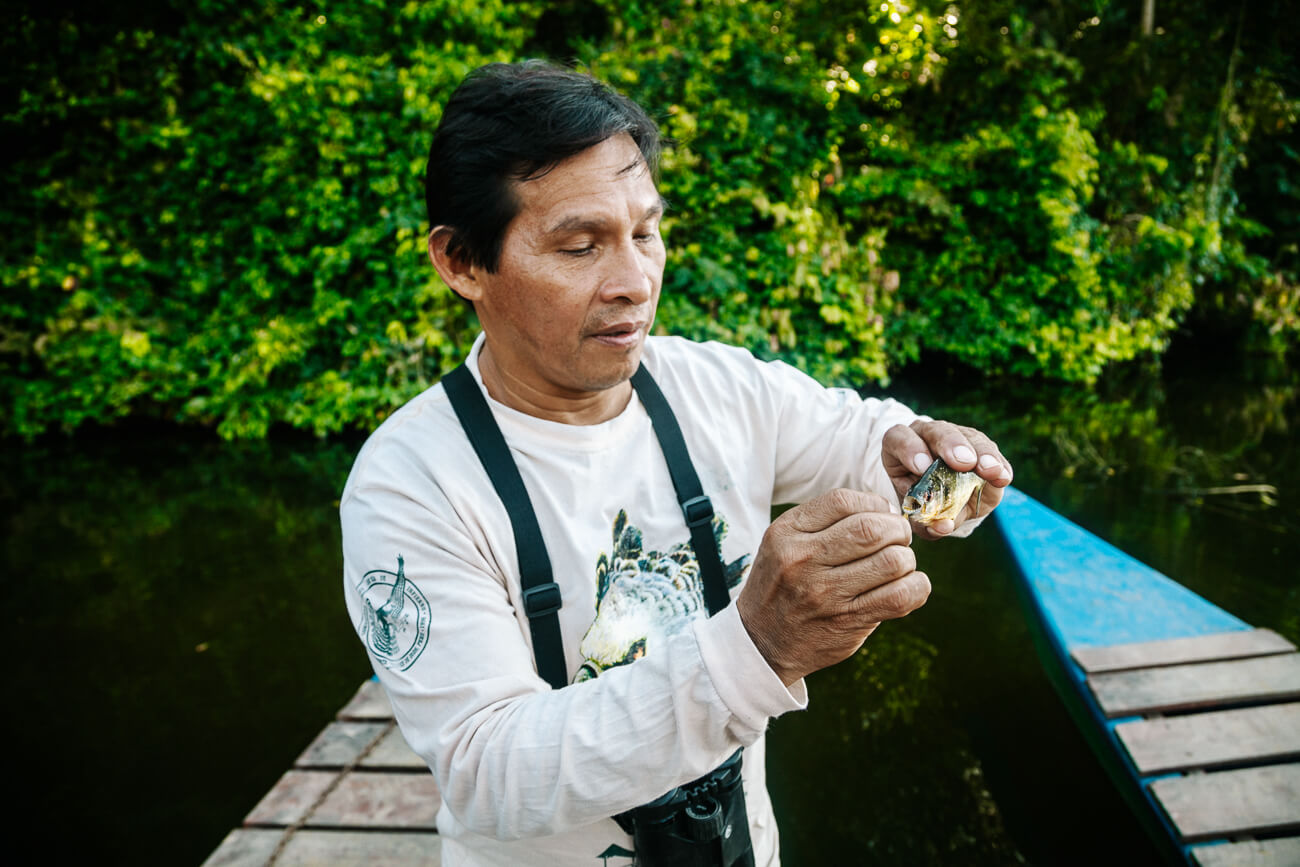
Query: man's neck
point(576, 409)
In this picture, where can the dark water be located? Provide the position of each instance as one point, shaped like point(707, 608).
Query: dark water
point(176, 634)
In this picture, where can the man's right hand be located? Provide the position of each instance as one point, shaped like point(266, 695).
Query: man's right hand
point(825, 575)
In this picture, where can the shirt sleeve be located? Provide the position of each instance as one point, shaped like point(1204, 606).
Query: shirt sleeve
point(816, 438)
point(831, 438)
point(514, 758)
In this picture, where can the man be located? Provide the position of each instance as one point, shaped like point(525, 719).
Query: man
point(545, 216)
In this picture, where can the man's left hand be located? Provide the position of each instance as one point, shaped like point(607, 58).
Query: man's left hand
point(908, 451)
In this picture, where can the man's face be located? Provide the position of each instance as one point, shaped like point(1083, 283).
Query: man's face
point(567, 312)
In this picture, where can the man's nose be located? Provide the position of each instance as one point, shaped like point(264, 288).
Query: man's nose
point(631, 274)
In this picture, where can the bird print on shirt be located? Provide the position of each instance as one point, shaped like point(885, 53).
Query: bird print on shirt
point(644, 597)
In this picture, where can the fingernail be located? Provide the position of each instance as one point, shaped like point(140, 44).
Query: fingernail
point(987, 462)
point(921, 461)
point(963, 454)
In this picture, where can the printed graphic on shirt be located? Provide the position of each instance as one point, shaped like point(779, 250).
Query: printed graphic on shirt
point(644, 597)
point(394, 617)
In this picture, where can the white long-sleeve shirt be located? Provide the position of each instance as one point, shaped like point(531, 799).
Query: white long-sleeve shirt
point(532, 775)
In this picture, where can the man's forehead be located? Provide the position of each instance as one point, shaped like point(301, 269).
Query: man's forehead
point(615, 156)
point(612, 171)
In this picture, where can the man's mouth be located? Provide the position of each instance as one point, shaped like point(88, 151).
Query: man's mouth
point(619, 334)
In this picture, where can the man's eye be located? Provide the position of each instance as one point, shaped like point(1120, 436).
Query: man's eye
point(577, 251)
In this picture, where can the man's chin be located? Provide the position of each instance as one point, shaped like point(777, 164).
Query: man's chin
point(613, 373)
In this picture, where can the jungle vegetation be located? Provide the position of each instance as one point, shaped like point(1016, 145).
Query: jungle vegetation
point(214, 213)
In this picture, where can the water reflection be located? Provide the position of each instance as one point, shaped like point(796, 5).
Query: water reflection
point(880, 770)
point(1200, 433)
point(175, 634)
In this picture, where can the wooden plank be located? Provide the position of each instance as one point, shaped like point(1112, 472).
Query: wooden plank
point(393, 752)
point(374, 800)
point(369, 703)
point(1206, 684)
point(1269, 733)
point(1232, 803)
point(1177, 651)
point(246, 847)
point(1278, 852)
point(291, 798)
point(372, 848)
point(340, 743)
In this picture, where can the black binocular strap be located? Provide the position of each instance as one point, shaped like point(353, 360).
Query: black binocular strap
point(696, 507)
point(541, 593)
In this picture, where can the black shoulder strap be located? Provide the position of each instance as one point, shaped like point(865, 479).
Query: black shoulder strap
point(541, 593)
point(696, 507)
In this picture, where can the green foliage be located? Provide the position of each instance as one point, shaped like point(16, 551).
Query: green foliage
point(216, 215)
point(756, 256)
point(223, 222)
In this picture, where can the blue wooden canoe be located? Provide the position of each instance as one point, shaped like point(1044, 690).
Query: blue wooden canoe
point(1195, 713)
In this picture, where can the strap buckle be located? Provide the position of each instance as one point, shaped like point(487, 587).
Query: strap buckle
point(542, 600)
point(698, 511)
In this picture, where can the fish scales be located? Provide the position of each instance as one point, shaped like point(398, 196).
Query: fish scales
point(940, 493)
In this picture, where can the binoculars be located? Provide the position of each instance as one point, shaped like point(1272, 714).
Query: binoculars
point(700, 824)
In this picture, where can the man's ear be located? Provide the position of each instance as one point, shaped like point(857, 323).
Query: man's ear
point(454, 270)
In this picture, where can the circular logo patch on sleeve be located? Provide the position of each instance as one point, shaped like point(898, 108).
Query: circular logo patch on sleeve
point(394, 617)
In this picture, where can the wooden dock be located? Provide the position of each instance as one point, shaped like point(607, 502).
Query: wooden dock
point(356, 795)
point(1216, 738)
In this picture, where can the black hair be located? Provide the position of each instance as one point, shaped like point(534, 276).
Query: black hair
point(509, 122)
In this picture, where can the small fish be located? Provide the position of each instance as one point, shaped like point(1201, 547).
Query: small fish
point(940, 493)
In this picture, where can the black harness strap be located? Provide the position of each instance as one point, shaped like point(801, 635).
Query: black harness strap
point(541, 593)
point(697, 509)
